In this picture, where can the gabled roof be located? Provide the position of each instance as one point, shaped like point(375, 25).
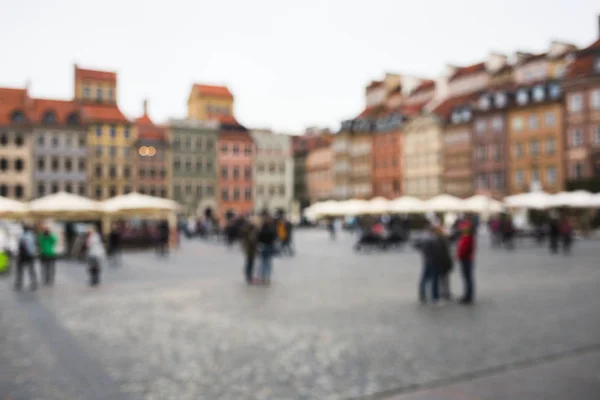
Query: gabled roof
point(427, 84)
point(373, 85)
point(469, 70)
point(585, 60)
point(212, 91)
point(62, 108)
point(445, 108)
point(12, 96)
point(106, 113)
point(95, 75)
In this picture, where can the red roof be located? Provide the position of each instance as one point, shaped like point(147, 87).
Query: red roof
point(445, 108)
point(370, 112)
point(10, 96)
point(527, 58)
point(465, 71)
point(103, 113)
point(212, 91)
point(62, 108)
point(374, 84)
point(144, 120)
point(151, 133)
point(426, 85)
point(584, 62)
point(95, 75)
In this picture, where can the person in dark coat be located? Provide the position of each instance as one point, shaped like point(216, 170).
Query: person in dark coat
point(163, 238)
point(465, 253)
point(554, 234)
point(267, 236)
point(249, 236)
point(114, 245)
point(566, 233)
point(434, 249)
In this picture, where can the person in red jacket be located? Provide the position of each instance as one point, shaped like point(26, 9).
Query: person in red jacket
point(465, 253)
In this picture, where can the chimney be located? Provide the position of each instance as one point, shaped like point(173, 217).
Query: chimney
point(145, 106)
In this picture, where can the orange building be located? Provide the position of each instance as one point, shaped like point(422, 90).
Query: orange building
point(319, 171)
point(386, 150)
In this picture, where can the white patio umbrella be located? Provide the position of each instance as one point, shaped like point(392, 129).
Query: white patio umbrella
point(444, 203)
point(321, 209)
point(378, 205)
point(576, 199)
point(351, 207)
point(531, 200)
point(136, 203)
point(595, 200)
point(63, 205)
point(482, 204)
point(407, 204)
point(10, 208)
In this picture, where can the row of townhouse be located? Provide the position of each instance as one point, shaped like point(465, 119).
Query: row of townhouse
point(87, 146)
point(499, 127)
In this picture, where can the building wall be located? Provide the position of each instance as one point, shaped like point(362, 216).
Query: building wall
point(457, 160)
point(15, 148)
point(199, 107)
point(152, 175)
point(387, 164)
point(490, 153)
point(468, 84)
point(320, 174)
point(60, 161)
point(361, 145)
point(582, 133)
point(235, 193)
point(341, 165)
point(110, 148)
point(422, 158)
point(106, 90)
point(194, 143)
point(530, 148)
point(273, 172)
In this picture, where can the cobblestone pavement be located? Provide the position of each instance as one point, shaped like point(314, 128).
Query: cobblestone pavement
point(334, 324)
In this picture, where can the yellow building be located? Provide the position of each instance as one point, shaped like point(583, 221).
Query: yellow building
point(207, 102)
point(110, 134)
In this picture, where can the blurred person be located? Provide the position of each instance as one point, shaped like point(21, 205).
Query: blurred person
point(443, 263)
point(96, 254)
point(114, 245)
point(267, 235)
point(566, 233)
point(284, 234)
point(47, 242)
point(431, 251)
point(507, 230)
point(465, 253)
point(331, 228)
point(26, 259)
point(163, 238)
point(249, 236)
point(554, 233)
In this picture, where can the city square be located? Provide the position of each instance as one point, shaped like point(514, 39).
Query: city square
point(333, 325)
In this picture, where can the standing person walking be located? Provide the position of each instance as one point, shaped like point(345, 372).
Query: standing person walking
point(566, 233)
point(114, 245)
point(465, 253)
point(443, 262)
point(249, 236)
point(429, 272)
point(554, 233)
point(96, 253)
point(267, 236)
point(47, 242)
point(163, 238)
point(26, 259)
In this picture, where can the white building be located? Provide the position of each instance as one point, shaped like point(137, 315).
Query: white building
point(273, 171)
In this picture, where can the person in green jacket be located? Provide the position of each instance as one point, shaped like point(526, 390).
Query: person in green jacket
point(47, 246)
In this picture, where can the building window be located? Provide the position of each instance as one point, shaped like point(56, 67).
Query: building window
point(224, 172)
point(142, 189)
point(248, 194)
point(98, 171)
point(282, 190)
point(597, 65)
point(41, 190)
point(497, 124)
point(82, 143)
point(188, 143)
point(98, 151)
point(480, 126)
point(19, 165)
point(534, 148)
point(98, 130)
point(224, 148)
point(188, 165)
point(209, 144)
point(550, 118)
point(177, 191)
point(481, 181)
point(19, 192)
point(533, 122)
point(595, 99)
point(272, 168)
point(142, 173)
point(98, 192)
point(3, 190)
point(127, 132)
point(538, 93)
point(54, 187)
point(98, 95)
point(554, 91)
point(550, 146)
point(236, 149)
point(177, 164)
point(209, 166)
point(576, 137)
point(248, 151)
point(575, 102)
point(55, 141)
point(113, 151)
point(81, 166)
point(113, 131)
point(199, 191)
point(236, 194)
point(236, 173)
point(210, 190)
point(517, 123)
point(176, 143)
point(54, 164)
point(535, 175)
point(496, 153)
point(519, 177)
point(518, 150)
point(68, 165)
point(260, 167)
point(152, 173)
point(112, 191)
point(86, 92)
point(81, 189)
point(480, 153)
point(577, 170)
point(68, 187)
point(260, 190)
point(68, 142)
point(224, 195)
point(551, 175)
point(111, 94)
point(271, 190)
point(41, 140)
point(163, 192)
point(49, 118)
point(153, 190)
point(112, 171)
point(41, 164)
point(248, 173)
point(199, 144)
point(522, 97)
point(126, 172)
point(19, 140)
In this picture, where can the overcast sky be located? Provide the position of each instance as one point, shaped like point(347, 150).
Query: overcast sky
point(290, 64)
